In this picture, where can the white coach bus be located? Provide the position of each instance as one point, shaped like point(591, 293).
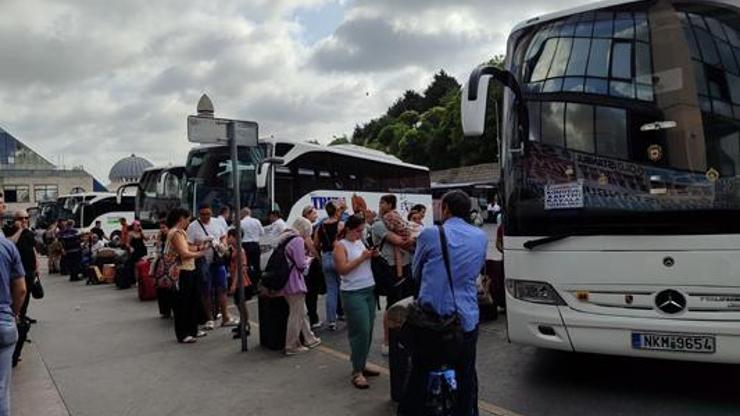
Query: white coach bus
point(289, 175)
point(620, 152)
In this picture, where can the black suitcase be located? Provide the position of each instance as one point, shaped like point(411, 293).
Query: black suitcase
point(273, 320)
point(399, 362)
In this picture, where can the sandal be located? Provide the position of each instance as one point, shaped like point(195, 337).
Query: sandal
point(369, 372)
point(358, 380)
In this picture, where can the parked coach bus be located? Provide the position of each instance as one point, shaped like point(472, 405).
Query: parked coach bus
point(289, 175)
point(158, 191)
point(620, 158)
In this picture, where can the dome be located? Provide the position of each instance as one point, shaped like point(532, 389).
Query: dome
point(129, 169)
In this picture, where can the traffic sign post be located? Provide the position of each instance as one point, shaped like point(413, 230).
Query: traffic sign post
point(205, 129)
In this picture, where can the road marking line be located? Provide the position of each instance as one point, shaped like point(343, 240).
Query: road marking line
point(489, 408)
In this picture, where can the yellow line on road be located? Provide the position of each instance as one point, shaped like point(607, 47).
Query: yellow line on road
point(489, 408)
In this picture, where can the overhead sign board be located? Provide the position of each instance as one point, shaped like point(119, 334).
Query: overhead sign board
point(215, 130)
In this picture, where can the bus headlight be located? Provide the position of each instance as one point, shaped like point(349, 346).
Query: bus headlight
point(531, 291)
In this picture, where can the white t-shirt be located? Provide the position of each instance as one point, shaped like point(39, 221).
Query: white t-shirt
point(362, 276)
point(275, 229)
point(196, 234)
point(220, 220)
point(251, 230)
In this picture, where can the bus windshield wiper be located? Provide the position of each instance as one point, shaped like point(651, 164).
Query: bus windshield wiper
point(531, 244)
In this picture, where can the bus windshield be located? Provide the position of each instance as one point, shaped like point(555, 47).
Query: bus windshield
point(634, 116)
point(209, 172)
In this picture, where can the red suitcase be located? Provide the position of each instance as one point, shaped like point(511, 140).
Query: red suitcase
point(144, 281)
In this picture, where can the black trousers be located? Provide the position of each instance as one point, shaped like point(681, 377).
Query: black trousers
point(312, 303)
point(165, 299)
point(74, 265)
point(466, 376)
point(253, 252)
point(186, 305)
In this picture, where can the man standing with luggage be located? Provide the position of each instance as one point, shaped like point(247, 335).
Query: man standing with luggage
point(12, 293)
point(206, 232)
point(387, 241)
point(466, 247)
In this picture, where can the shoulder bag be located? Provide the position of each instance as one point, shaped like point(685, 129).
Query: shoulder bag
point(218, 259)
point(168, 267)
point(440, 335)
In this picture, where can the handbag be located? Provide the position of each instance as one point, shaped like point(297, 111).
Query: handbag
point(440, 335)
point(167, 269)
point(218, 258)
point(37, 290)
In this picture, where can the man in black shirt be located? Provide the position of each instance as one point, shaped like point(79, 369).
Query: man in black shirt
point(25, 241)
point(98, 230)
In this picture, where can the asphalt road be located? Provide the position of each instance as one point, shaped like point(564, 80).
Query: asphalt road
point(109, 354)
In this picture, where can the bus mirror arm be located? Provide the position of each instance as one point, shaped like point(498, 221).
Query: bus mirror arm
point(475, 96)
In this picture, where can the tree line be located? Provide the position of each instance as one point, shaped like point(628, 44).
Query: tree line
point(426, 129)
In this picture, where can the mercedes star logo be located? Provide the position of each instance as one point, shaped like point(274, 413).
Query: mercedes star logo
point(670, 301)
point(668, 261)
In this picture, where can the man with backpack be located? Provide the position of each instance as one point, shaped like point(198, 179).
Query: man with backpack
point(448, 288)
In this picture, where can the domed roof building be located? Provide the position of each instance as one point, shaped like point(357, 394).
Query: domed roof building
point(127, 170)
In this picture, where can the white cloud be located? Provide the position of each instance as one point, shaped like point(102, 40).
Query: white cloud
point(97, 81)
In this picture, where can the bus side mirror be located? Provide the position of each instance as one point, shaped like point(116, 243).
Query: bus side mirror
point(475, 96)
point(473, 109)
point(122, 190)
point(263, 168)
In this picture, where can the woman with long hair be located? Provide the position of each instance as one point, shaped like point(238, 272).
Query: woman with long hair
point(186, 305)
point(326, 236)
point(352, 260)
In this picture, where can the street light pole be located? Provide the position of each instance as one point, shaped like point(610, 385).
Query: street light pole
point(231, 134)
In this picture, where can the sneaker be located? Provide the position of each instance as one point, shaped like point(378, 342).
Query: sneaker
point(295, 351)
point(317, 325)
point(209, 325)
point(201, 334)
point(314, 344)
point(188, 340)
point(230, 322)
point(332, 326)
point(384, 350)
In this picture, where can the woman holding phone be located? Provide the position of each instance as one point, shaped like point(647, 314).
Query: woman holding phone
point(352, 261)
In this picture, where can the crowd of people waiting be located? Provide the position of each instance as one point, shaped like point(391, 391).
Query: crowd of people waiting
point(195, 268)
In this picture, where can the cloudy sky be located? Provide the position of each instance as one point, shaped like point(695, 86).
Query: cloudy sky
point(92, 81)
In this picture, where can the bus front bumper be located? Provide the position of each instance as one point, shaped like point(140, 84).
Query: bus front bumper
point(563, 328)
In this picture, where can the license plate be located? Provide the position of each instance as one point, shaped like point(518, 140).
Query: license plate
point(673, 342)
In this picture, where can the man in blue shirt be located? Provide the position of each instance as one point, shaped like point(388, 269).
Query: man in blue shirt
point(12, 293)
point(467, 253)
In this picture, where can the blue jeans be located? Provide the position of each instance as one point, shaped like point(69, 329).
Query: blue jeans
point(332, 286)
point(8, 338)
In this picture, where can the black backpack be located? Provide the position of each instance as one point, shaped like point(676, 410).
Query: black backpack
point(278, 268)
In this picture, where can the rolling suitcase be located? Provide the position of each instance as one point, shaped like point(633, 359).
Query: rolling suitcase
point(399, 364)
point(145, 281)
point(273, 320)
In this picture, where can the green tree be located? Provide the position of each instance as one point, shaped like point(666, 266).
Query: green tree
point(441, 85)
point(411, 100)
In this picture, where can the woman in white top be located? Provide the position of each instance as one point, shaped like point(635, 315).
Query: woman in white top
point(352, 262)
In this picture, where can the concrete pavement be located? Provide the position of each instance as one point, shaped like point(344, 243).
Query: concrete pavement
point(109, 354)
